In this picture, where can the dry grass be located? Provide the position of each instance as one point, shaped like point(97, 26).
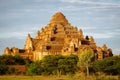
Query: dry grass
point(63, 77)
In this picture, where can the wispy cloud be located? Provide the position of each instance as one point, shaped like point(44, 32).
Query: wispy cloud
point(116, 51)
point(13, 35)
point(90, 4)
point(104, 32)
point(21, 33)
point(99, 35)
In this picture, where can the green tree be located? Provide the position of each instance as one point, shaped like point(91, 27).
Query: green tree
point(13, 60)
point(11, 70)
point(50, 64)
point(34, 68)
point(85, 59)
point(3, 69)
point(27, 61)
point(19, 60)
point(68, 64)
point(7, 60)
point(110, 65)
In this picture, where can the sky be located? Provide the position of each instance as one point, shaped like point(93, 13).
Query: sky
point(97, 18)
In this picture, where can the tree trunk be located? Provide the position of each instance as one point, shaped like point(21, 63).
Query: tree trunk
point(59, 73)
point(87, 68)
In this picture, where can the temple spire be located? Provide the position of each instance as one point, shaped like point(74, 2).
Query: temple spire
point(37, 36)
point(81, 33)
point(104, 47)
point(59, 18)
point(28, 43)
point(92, 39)
point(29, 37)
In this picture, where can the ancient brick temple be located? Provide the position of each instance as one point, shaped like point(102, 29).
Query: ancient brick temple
point(58, 37)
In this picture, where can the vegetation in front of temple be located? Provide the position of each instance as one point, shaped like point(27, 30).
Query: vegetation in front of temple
point(54, 65)
point(6, 61)
point(61, 65)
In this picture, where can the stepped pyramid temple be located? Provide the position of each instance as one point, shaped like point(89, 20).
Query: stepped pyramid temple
point(58, 37)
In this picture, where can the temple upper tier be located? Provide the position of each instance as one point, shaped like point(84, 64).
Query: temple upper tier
point(59, 18)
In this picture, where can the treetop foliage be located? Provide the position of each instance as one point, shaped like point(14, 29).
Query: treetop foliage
point(86, 57)
point(13, 60)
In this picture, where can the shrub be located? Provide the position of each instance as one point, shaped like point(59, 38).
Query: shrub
point(3, 69)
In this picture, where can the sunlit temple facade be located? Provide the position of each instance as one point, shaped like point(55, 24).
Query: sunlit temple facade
point(58, 37)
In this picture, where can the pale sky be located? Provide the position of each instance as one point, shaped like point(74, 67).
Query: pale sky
point(97, 18)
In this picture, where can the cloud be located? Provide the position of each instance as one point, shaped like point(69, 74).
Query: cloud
point(88, 28)
point(13, 34)
point(17, 9)
point(21, 33)
point(90, 4)
point(38, 0)
point(98, 35)
point(116, 51)
point(102, 32)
